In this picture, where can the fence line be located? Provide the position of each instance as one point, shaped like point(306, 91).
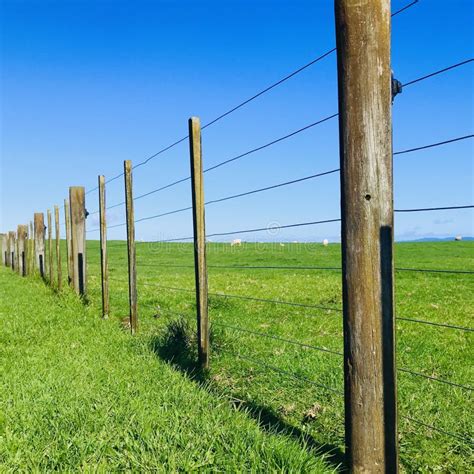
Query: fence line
point(362, 274)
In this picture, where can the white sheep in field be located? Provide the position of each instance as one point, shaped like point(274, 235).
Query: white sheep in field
point(236, 242)
point(325, 242)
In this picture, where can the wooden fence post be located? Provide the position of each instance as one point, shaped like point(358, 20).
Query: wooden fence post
point(365, 135)
point(103, 248)
point(78, 237)
point(132, 269)
point(50, 249)
point(199, 227)
point(17, 254)
point(31, 250)
point(58, 247)
point(22, 233)
point(3, 242)
point(70, 258)
point(11, 249)
point(8, 255)
point(39, 243)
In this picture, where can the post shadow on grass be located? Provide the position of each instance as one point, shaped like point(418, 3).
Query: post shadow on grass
point(177, 346)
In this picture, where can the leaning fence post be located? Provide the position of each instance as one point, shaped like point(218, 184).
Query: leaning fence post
point(50, 248)
point(132, 269)
point(22, 233)
point(39, 242)
point(199, 227)
point(69, 259)
point(78, 237)
point(3, 241)
point(365, 131)
point(104, 271)
point(58, 247)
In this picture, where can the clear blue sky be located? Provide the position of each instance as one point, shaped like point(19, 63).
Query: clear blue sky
point(87, 84)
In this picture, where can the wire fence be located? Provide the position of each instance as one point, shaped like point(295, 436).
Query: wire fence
point(305, 308)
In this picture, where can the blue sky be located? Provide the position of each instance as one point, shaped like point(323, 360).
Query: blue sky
point(87, 84)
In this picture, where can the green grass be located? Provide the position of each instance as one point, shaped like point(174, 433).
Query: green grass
point(78, 391)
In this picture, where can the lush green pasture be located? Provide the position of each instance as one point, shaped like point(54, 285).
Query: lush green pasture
point(259, 383)
point(79, 394)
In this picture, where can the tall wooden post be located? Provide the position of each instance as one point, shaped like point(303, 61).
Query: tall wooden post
point(58, 247)
point(103, 248)
point(199, 227)
point(78, 237)
point(39, 243)
point(31, 250)
point(50, 249)
point(11, 249)
point(365, 134)
point(3, 242)
point(70, 259)
point(22, 233)
point(132, 269)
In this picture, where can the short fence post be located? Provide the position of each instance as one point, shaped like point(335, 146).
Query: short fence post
point(103, 248)
point(17, 254)
point(31, 250)
point(58, 247)
point(78, 237)
point(3, 241)
point(50, 249)
point(199, 227)
point(22, 233)
point(8, 254)
point(365, 131)
point(11, 248)
point(70, 258)
point(39, 242)
point(132, 269)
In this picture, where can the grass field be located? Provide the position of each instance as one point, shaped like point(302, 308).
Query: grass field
point(78, 391)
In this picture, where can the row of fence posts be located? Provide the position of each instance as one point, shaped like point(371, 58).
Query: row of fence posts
point(25, 250)
point(364, 76)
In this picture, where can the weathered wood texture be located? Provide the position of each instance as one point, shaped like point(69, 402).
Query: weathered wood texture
point(8, 254)
point(31, 250)
point(199, 227)
point(132, 267)
point(57, 229)
point(69, 256)
point(17, 258)
point(103, 248)
point(78, 238)
point(11, 249)
point(3, 243)
point(50, 249)
point(39, 243)
point(365, 131)
point(22, 234)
